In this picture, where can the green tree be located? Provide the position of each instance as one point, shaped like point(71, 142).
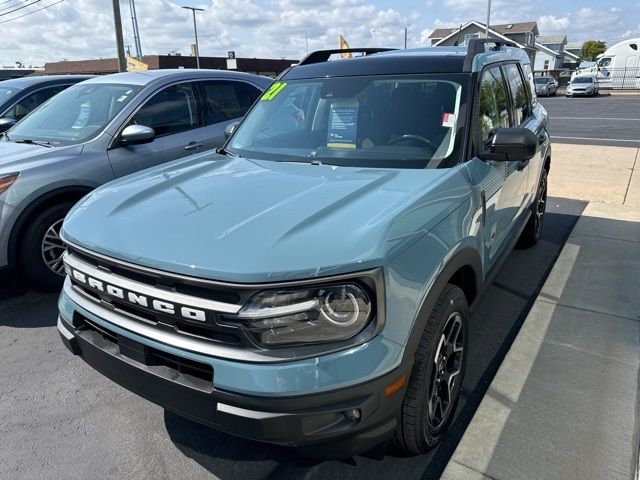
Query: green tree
point(592, 48)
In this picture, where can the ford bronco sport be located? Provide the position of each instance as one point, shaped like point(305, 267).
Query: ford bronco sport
point(310, 284)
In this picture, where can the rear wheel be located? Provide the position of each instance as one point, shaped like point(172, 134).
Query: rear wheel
point(42, 248)
point(434, 387)
point(533, 230)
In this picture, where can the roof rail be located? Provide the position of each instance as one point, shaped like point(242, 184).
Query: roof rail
point(324, 55)
point(477, 46)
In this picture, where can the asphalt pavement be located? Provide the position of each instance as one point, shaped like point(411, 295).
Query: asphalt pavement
point(61, 419)
point(607, 119)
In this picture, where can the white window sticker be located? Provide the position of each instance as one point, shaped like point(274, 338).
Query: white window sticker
point(448, 120)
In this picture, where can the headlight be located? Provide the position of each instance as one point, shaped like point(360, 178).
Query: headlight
point(326, 313)
point(7, 180)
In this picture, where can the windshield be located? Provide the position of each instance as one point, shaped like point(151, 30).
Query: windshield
point(582, 80)
point(541, 80)
point(408, 121)
point(76, 115)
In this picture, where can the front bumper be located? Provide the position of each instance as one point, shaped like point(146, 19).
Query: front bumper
point(579, 93)
point(317, 421)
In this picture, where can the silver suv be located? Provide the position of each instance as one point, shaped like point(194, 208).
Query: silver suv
point(99, 130)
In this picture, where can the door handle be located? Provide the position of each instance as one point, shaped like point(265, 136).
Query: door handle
point(194, 145)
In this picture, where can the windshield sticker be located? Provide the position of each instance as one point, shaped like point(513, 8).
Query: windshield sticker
point(343, 124)
point(273, 91)
point(448, 120)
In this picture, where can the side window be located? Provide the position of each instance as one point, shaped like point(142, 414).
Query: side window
point(226, 100)
point(531, 88)
point(519, 99)
point(494, 109)
point(169, 111)
point(33, 101)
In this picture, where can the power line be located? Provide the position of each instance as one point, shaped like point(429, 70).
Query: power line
point(19, 8)
point(12, 6)
point(35, 11)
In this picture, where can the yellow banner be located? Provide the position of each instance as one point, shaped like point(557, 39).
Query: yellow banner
point(344, 46)
point(135, 65)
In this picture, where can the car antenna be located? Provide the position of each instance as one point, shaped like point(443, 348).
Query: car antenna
point(458, 37)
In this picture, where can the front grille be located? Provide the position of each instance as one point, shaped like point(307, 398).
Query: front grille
point(160, 289)
point(146, 355)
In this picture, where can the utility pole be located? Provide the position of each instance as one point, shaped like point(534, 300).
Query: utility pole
point(117, 22)
point(195, 31)
point(136, 32)
point(486, 28)
point(405, 38)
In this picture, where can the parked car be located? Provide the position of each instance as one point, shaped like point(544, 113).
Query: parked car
point(19, 96)
point(311, 283)
point(545, 86)
point(98, 130)
point(583, 85)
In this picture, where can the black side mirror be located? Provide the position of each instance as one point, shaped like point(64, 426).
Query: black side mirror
point(228, 131)
point(512, 145)
point(136, 135)
point(6, 123)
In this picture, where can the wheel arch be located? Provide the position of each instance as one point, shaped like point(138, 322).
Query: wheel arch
point(463, 270)
point(50, 198)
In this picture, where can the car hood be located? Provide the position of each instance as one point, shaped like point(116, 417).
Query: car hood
point(16, 157)
point(240, 220)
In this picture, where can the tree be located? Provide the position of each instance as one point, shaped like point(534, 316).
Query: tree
point(592, 48)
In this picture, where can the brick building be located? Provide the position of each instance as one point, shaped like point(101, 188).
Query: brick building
point(261, 66)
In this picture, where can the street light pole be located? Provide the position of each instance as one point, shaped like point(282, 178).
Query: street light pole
point(486, 28)
point(117, 22)
point(195, 31)
point(405, 38)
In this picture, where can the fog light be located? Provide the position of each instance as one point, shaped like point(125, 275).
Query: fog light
point(352, 414)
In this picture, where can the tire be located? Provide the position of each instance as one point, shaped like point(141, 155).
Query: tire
point(533, 230)
point(417, 430)
point(33, 250)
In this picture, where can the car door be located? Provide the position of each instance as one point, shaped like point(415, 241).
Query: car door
point(504, 184)
point(225, 101)
point(173, 114)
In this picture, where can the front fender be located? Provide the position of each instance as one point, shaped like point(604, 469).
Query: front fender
point(417, 277)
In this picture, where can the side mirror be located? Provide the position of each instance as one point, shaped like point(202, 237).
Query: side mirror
point(512, 145)
point(136, 135)
point(6, 123)
point(228, 131)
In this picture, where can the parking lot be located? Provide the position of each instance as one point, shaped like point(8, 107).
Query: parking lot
point(61, 419)
point(608, 119)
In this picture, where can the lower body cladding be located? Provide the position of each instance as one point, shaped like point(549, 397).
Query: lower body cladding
point(334, 423)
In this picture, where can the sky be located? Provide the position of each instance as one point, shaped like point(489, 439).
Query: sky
point(82, 29)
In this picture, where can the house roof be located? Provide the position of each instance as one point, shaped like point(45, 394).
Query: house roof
point(502, 29)
point(549, 39)
point(494, 33)
point(574, 45)
point(523, 27)
point(542, 48)
point(442, 32)
point(572, 55)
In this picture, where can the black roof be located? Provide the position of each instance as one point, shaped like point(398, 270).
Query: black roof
point(42, 81)
point(411, 61)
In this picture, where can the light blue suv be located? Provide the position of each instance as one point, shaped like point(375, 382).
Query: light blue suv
point(311, 283)
point(98, 130)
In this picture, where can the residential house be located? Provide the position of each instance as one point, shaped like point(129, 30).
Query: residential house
point(550, 54)
point(573, 54)
point(523, 34)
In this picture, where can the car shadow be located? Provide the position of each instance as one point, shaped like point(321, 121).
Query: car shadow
point(494, 325)
point(23, 307)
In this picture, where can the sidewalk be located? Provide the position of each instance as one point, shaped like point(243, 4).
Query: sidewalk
point(564, 403)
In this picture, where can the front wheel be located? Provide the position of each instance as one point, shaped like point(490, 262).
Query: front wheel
point(434, 387)
point(42, 248)
point(533, 230)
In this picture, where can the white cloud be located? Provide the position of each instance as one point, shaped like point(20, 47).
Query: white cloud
point(551, 24)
